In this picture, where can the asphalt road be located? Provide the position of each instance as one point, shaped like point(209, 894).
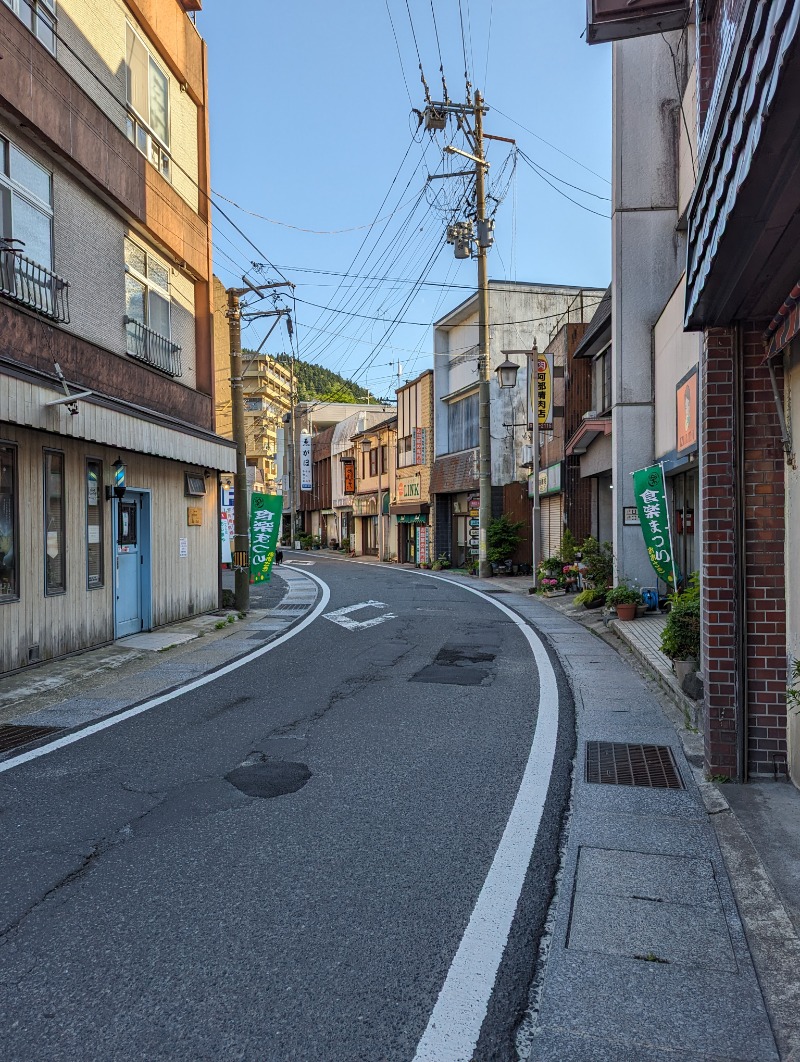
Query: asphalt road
point(281, 865)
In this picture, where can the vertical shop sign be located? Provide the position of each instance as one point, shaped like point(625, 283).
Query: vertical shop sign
point(305, 461)
point(265, 522)
point(540, 391)
point(651, 501)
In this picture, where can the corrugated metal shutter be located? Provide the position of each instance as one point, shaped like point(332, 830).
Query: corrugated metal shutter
point(552, 524)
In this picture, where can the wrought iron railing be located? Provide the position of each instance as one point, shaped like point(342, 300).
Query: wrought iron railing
point(30, 284)
point(153, 348)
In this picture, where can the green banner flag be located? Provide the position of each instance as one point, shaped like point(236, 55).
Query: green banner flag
point(265, 522)
point(651, 502)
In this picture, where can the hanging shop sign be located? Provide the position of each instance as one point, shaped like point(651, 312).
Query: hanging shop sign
point(349, 474)
point(651, 502)
point(226, 533)
point(265, 522)
point(540, 391)
point(686, 414)
point(305, 461)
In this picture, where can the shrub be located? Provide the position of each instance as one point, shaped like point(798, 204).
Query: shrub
point(589, 596)
point(568, 547)
point(305, 541)
point(502, 538)
point(680, 638)
point(598, 562)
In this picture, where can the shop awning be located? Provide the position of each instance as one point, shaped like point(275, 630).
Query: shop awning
point(412, 518)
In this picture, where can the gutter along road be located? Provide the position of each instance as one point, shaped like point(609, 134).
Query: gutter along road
point(299, 858)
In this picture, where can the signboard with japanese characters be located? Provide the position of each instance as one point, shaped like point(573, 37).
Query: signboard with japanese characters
point(305, 461)
point(420, 439)
point(349, 476)
point(265, 522)
point(540, 391)
point(686, 414)
point(651, 501)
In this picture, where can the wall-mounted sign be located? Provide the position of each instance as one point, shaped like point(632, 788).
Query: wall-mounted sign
point(305, 461)
point(550, 479)
point(630, 516)
point(540, 392)
point(420, 441)
point(686, 414)
point(183, 547)
point(194, 516)
point(616, 20)
point(408, 490)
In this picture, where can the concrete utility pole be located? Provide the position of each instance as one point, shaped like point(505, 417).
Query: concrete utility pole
point(241, 522)
point(461, 234)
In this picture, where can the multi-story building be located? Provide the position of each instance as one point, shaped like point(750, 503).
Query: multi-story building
point(411, 501)
point(345, 455)
point(519, 314)
point(108, 456)
point(374, 532)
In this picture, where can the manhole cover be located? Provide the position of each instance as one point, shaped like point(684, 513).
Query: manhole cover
point(615, 763)
point(270, 779)
point(12, 737)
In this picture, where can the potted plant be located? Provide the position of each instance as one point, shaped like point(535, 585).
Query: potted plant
point(591, 598)
point(624, 599)
point(502, 538)
point(680, 639)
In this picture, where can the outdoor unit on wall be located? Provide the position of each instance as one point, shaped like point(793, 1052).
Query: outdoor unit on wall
point(616, 20)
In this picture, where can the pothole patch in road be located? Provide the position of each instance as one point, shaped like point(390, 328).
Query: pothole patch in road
point(454, 665)
point(269, 779)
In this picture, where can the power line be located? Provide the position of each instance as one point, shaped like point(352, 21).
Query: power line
point(553, 146)
point(555, 188)
point(399, 55)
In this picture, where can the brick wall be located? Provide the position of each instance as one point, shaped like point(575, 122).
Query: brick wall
point(764, 574)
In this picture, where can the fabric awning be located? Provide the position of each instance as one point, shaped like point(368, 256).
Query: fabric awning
point(412, 518)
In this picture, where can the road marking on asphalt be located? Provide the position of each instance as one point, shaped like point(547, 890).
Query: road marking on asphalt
point(343, 616)
point(457, 1018)
point(104, 724)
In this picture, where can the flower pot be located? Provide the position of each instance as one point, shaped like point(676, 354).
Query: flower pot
point(626, 612)
point(598, 602)
point(682, 668)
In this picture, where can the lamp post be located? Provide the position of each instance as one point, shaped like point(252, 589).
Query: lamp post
point(507, 378)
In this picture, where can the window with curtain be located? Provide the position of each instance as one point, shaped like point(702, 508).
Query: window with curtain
point(40, 18)
point(9, 545)
point(147, 88)
point(147, 292)
point(55, 581)
point(462, 424)
point(94, 524)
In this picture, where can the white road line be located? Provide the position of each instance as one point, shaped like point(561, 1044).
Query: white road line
point(105, 724)
point(455, 1023)
point(343, 617)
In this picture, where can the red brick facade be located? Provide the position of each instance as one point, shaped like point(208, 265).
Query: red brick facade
point(763, 578)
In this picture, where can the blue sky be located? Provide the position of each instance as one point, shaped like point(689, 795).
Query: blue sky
point(311, 127)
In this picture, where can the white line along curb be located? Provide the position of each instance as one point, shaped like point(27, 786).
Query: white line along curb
point(105, 724)
point(456, 1021)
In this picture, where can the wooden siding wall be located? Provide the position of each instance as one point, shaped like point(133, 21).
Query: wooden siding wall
point(81, 618)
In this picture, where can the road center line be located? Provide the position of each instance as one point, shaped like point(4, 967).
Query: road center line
point(130, 713)
point(457, 1018)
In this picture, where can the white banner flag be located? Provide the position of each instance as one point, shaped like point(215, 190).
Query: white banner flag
point(305, 461)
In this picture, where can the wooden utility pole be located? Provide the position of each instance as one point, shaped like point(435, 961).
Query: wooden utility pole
point(241, 521)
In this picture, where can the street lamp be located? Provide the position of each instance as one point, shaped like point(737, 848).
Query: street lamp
point(507, 374)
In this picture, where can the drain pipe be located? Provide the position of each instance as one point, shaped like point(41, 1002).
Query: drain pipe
point(739, 561)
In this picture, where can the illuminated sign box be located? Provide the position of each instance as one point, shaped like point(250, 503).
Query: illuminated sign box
point(617, 20)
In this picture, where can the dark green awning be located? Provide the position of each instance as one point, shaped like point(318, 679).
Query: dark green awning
point(412, 518)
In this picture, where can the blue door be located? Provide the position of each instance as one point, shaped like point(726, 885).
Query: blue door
point(132, 576)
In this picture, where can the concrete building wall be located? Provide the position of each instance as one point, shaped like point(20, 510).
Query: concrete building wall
point(647, 262)
point(675, 353)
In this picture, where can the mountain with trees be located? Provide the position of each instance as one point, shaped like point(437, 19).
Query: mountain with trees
point(315, 383)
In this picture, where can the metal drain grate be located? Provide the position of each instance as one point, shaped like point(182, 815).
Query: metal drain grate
point(614, 763)
point(290, 608)
point(12, 737)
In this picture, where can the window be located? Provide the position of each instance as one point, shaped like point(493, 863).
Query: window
point(603, 381)
point(405, 452)
point(147, 89)
point(40, 18)
point(9, 541)
point(373, 462)
point(26, 206)
point(384, 459)
point(94, 524)
point(147, 298)
point(194, 484)
point(55, 578)
point(462, 424)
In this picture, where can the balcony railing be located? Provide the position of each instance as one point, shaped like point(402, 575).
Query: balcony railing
point(155, 349)
point(30, 284)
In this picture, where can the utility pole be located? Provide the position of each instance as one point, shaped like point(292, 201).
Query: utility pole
point(484, 433)
point(241, 522)
point(461, 234)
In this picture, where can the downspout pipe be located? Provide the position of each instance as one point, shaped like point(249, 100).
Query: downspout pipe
point(739, 561)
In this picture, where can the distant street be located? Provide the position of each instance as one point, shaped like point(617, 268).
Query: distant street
point(283, 864)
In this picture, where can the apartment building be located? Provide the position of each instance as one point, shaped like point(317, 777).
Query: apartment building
point(108, 454)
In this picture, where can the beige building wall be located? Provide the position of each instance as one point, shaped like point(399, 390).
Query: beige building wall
point(675, 353)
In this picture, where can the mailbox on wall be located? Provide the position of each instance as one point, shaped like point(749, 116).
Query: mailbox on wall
point(616, 20)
